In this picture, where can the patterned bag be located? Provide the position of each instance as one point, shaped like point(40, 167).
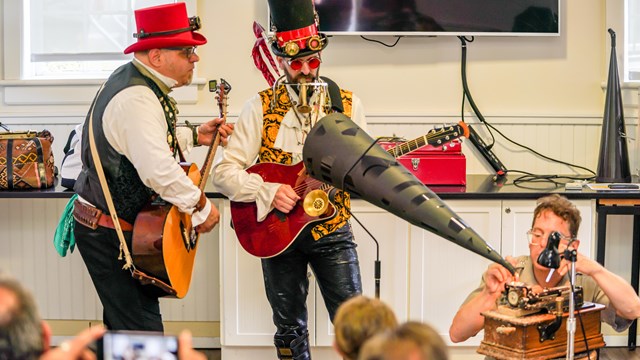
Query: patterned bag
point(26, 160)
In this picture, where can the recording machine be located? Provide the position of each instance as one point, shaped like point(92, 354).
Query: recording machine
point(530, 323)
point(519, 299)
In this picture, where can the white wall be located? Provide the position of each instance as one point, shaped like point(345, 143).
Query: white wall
point(524, 85)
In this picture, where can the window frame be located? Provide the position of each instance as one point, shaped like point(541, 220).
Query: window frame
point(615, 19)
point(17, 92)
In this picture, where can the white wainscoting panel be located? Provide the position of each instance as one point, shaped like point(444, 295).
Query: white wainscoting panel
point(62, 287)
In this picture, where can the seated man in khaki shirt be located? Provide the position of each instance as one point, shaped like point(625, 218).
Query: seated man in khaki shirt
point(553, 213)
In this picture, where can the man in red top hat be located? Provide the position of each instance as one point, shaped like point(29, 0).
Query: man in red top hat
point(272, 127)
point(134, 127)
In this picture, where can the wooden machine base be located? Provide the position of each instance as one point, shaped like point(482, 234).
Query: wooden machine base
point(509, 337)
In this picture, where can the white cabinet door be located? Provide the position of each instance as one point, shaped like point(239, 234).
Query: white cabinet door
point(442, 273)
point(246, 314)
point(392, 234)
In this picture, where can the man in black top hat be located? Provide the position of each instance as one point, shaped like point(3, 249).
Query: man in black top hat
point(272, 128)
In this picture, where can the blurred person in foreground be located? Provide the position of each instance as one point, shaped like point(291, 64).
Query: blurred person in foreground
point(358, 319)
point(410, 341)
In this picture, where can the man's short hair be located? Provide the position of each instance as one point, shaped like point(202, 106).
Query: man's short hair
point(561, 207)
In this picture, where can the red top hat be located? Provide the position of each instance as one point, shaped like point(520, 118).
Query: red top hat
point(165, 26)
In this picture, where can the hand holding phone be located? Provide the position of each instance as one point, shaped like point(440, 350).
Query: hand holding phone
point(117, 345)
point(76, 348)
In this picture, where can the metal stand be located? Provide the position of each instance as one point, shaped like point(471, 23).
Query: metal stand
point(571, 255)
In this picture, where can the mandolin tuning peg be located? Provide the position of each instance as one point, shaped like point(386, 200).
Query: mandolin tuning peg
point(213, 85)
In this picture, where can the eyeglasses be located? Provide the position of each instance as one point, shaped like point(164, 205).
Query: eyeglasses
point(296, 64)
point(187, 51)
point(538, 238)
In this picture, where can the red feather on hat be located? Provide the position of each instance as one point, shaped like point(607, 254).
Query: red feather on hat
point(260, 52)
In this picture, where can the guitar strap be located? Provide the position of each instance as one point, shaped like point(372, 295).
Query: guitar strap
point(144, 278)
point(124, 249)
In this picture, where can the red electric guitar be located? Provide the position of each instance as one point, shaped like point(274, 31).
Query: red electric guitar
point(164, 241)
point(277, 231)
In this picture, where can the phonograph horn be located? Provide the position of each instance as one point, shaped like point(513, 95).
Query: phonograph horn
point(340, 153)
point(613, 161)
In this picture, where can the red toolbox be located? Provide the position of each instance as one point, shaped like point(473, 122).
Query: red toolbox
point(445, 165)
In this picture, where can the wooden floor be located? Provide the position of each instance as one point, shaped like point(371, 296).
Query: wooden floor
point(619, 353)
point(610, 353)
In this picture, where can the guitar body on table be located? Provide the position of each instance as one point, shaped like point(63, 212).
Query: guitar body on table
point(164, 240)
point(277, 231)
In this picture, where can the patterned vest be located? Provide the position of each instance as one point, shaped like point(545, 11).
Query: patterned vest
point(272, 118)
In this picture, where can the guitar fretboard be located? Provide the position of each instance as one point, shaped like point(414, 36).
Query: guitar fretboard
point(433, 137)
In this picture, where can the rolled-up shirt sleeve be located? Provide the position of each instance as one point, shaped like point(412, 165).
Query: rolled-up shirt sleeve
point(135, 126)
point(230, 176)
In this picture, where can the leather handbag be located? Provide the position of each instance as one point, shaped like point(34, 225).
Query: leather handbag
point(26, 160)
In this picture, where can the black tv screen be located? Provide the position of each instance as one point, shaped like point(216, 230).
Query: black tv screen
point(439, 17)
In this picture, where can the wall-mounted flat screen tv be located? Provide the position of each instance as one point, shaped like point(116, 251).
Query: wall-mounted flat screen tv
point(439, 17)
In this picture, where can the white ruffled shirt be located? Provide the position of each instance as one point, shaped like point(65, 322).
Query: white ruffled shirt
point(229, 175)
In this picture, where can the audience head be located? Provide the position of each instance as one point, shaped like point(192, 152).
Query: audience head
point(22, 331)
point(356, 320)
point(410, 341)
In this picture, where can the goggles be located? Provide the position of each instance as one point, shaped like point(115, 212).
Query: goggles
point(296, 64)
point(538, 238)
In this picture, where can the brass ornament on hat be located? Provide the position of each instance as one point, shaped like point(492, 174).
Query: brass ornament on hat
point(315, 43)
point(291, 48)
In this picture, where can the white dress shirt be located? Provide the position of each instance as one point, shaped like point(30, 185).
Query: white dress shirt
point(134, 125)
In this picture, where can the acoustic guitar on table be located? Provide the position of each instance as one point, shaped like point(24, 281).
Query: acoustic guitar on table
point(278, 230)
point(164, 240)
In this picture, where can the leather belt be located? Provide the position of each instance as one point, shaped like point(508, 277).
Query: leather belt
point(92, 217)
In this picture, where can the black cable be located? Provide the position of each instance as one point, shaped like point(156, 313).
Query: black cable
point(552, 179)
point(377, 263)
point(467, 95)
point(465, 87)
point(381, 43)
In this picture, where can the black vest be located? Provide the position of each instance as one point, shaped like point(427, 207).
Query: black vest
point(127, 190)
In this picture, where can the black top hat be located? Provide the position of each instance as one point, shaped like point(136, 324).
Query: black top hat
point(295, 24)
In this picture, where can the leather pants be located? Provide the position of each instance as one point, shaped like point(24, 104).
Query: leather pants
point(334, 261)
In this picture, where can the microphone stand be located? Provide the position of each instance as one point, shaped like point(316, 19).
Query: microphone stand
point(572, 256)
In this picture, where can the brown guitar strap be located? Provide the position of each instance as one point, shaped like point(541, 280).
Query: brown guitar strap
point(124, 249)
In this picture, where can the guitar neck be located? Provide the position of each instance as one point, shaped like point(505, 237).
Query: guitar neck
point(222, 88)
point(408, 146)
point(434, 137)
point(208, 162)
